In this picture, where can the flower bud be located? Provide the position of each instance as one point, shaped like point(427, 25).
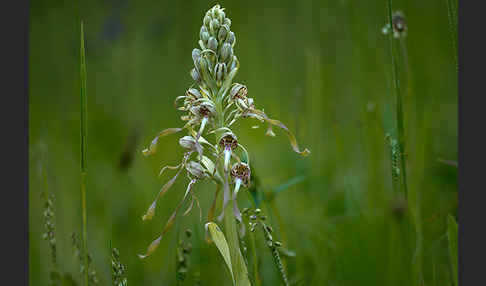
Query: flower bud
point(231, 38)
point(193, 94)
point(223, 32)
point(215, 11)
point(207, 20)
point(214, 26)
point(205, 37)
point(195, 169)
point(238, 91)
point(204, 34)
point(234, 62)
point(188, 142)
point(221, 16)
point(196, 54)
point(195, 75)
point(226, 51)
point(213, 44)
point(227, 22)
point(219, 71)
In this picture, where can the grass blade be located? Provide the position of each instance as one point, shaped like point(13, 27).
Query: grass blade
point(399, 103)
point(452, 17)
point(220, 241)
point(84, 147)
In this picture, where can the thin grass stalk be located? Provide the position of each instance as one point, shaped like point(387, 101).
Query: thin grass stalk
point(275, 255)
point(399, 105)
point(84, 146)
point(451, 13)
point(256, 275)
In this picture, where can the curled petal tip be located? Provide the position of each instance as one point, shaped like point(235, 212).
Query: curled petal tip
point(146, 152)
point(305, 153)
point(150, 212)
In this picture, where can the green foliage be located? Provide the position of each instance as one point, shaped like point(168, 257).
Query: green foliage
point(452, 236)
point(322, 67)
point(219, 240)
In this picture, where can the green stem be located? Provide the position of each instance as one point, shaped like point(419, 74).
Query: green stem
point(84, 147)
point(234, 247)
point(85, 240)
point(399, 104)
point(230, 227)
point(451, 13)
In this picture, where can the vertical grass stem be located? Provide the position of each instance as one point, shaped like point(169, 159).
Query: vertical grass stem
point(84, 145)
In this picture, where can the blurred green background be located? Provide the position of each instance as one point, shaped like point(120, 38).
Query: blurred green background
point(321, 67)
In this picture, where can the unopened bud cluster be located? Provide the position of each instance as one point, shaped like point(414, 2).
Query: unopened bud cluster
point(215, 59)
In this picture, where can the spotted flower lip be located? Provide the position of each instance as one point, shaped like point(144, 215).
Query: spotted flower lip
point(238, 91)
point(205, 109)
point(241, 171)
point(228, 140)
